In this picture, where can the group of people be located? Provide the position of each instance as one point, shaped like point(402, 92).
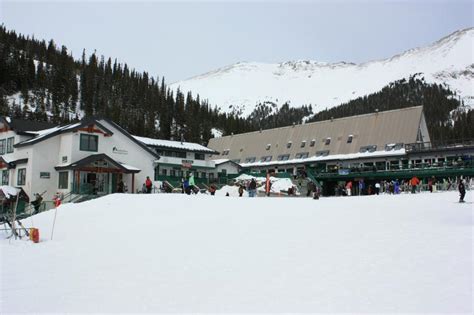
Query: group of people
point(396, 187)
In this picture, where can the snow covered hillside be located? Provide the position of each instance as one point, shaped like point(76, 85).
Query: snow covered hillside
point(179, 253)
point(241, 86)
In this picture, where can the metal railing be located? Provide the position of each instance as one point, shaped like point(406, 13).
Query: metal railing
point(441, 144)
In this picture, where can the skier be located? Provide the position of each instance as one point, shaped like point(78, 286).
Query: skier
point(397, 187)
point(37, 203)
point(462, 190)
point(212, 190)
point(414, 182)
point(252, 188)
point(377, 188)
point(349, 188)
point(361, 187)
point(241, 190)
point(148, 185)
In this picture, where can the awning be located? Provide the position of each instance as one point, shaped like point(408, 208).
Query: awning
point(5, 163)
point(91, 163)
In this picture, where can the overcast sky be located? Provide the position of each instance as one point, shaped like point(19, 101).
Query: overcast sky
point(183, 39)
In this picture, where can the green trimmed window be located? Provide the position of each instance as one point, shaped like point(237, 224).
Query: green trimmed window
point(21, 177)
point(10, 142)
point(89, 143)
point(5, 175)
point(2, 146)
point(63, 180)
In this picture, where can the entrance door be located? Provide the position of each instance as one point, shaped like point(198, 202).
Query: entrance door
point(102, 183)
point(91, 180)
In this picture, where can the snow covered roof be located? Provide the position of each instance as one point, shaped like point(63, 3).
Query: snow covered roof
point(222, 161)
point(187, 146)
point(40, 135)
point(85, 162)
point(335, 157)
point(130, 168)
point(9, 191)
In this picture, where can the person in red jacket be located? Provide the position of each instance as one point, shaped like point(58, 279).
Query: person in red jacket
point(148, 185)
point(414, 183)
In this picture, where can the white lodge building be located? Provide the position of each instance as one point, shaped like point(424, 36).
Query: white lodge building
point(91, 156)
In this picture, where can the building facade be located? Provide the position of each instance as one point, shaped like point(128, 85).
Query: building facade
point(390, 144)
point(92, 156)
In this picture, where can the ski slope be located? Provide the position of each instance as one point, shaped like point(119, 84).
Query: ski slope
point(241, 86)
point(178, 253)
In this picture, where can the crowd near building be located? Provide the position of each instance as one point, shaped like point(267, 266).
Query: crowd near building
point(97, 156)
point(370, 148)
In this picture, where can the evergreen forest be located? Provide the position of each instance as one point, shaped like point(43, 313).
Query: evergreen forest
point(41, 81)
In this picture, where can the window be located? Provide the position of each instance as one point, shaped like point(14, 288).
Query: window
point(203, 174)
point(312, 143)
point(21, 178)
point(301, 155)
point(268, 146)
point(63, 180)
point(2, 146)
point(303, 144)
point(172, 173)
point(199, 156)
point(349, 138)
point(5, 177)
point(10, 142)
point(393, 146)
point(368, 148)
point(267, 158)
point(322, 153)
point(164, 172)
point(89, 143)
point(250, 160)
point(283, 157)
point(64, 159)
point(225, 152)
point(327, 141)
point(211, 176)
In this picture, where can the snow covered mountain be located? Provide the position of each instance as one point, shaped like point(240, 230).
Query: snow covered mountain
point(241, 86)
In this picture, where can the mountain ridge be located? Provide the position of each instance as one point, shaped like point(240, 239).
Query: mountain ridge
point(243, 85)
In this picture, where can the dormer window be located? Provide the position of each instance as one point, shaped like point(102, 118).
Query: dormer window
point(349, 138)
point(368, 148)
point(303, 143)
point(322, 153)
point(312, 143)
point(327, 141)
point(225, 152)
point(302, 155)
point(267, 158)
point(288, 145)
point(268, 146)
point(393, 146)
point(250, 160)
point(283, 157)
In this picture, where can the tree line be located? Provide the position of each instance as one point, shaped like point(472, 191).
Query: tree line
point(446, 116)
point(41, 81)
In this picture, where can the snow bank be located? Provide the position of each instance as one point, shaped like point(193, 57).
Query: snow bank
point(178, 253)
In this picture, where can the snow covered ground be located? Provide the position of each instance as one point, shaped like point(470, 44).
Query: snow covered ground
point(179, 253)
